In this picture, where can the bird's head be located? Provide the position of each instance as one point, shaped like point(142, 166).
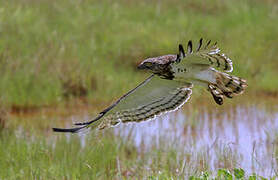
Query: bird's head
point(147, 64)
point(160, 63)
point(157, 64)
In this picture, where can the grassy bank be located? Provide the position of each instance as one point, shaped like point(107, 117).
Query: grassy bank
point(190, 143)
point(52, 51)
point(106, 156)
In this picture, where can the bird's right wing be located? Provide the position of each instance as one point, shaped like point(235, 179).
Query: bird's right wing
point(208, 54)
point(152, 97)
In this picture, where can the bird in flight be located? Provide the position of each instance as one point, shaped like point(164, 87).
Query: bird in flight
point(170, 86)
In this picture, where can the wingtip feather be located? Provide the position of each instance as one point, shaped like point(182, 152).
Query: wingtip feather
point(71, 130)
point(200, 44)
point(189, 47)
point(181, 51)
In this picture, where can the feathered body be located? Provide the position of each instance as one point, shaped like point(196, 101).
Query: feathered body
point(199, 68)
point(169, 87)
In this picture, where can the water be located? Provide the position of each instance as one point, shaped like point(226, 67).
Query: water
point(244, 137)
point(208, 139)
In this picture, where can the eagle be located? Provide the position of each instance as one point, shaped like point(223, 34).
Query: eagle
point(170, 85)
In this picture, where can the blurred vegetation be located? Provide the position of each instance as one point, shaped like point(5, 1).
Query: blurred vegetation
point(102, 157)
point(55, 51)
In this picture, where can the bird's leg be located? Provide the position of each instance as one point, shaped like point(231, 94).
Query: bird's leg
point(213, 89)
point(216, 94)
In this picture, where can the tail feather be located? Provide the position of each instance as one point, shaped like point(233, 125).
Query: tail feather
point(230, 85)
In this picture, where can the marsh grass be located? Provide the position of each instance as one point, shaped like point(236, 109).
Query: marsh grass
point(194, 143)
point(51, 51)
point(103, 157)
point(63, 61)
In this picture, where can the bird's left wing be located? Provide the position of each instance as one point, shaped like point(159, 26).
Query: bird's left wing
point(150, 98)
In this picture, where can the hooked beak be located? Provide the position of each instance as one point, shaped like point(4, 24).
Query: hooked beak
point(141, 66)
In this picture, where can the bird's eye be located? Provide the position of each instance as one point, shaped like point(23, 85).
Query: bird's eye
point(148, 64)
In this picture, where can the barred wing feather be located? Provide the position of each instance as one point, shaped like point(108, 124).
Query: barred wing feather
point(151, 98)
point(210, 55)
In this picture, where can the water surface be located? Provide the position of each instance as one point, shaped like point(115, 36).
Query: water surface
point(244, 137)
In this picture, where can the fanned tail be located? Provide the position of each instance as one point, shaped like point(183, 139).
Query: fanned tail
point(230, 85)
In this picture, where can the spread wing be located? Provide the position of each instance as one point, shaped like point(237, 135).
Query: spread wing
point(209, 54)
point(150, 98)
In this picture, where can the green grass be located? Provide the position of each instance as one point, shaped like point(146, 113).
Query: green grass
point(51, 51)
point(29, 148)
point(55, 52)
point(103, 157)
